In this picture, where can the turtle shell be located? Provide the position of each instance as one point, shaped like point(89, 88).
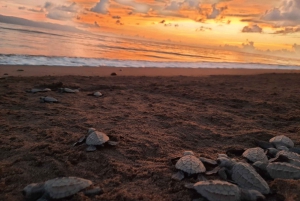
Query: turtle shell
point(247, 178)
point(97, 94)
point(96, 138)
point(190, 164)
point(65, 186)
point(288, 154)
point(282, 140)
point(283, 170)
point(215, 190)
point(48, 99)
point(255, 154)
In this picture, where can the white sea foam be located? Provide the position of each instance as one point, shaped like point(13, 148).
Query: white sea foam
point(77, 62)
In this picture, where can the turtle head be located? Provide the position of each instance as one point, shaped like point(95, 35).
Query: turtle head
point(252, 195)
point(42, 99)
point(185, 153)
point(282, 148)
point(272, 151)
point(260, 165)
point(91, 130)
point(222, 155)
point(225, 162)
point(33, 191)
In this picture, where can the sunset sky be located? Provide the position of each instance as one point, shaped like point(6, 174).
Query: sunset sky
point(235, 24)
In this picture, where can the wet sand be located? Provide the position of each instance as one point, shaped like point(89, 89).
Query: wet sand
point(155, 118)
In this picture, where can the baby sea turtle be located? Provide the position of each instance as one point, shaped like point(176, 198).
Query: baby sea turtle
point(276, 153)
point(188, 164)
point(57, 188)
point(280, 170)
point(95, 138)
point(68, 90)
point(243, 174)
point(281, 141)
point(286, 159)
point(38, 90)
point(48, 99)
point(96, 94)
point(255, 154)
point(267, 145)
point(216, 190)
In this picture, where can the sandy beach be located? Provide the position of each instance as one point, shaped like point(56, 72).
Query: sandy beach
point(154, 114)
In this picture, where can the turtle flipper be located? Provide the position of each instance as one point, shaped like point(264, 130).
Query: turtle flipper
point(200, 177)
point(208, 161)
point(80, 141)
point(93, 191)
point(295, 150)
point(178, 176)
point(222, 173)
point(279, 158)
point(189, 185)
point(236, 152)
point(45, 197)
point(112, 143)
point(263, 144)
point(91, 148)
point(213, 171)
point(174, 160)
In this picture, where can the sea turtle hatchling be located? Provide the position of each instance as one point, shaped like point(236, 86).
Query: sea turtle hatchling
point(216, 190)
point(267, 145)
point(68, 90)
point(281, 141)
point(188, 164)
point(284, 156)
point(243, 174)
point(276, 153)
point(57, 188)
point(48, 99)
point(255, 154)
point(95, 138)
point(96, 94)
point(278, 170)
point(34, 90)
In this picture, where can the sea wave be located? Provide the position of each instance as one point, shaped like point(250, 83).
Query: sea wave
point(13, 59)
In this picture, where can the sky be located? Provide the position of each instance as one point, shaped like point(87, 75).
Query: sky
point(258, 26)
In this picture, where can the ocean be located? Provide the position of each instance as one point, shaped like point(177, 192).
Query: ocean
point(22, 45)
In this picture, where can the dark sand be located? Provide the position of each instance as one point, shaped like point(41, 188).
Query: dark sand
point(154, 118)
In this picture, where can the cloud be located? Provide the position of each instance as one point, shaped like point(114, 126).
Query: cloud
point(288, 13)
point(173, 6)
point(48, 5)
point(252, 29)
point(202, 28)
point(296, 48)
point(96, 24)
point(214, 12)
point(288, 30)
point(101, 7)
point(249, 47)
point(176, 5)
point(60, 12)
point(30, 23)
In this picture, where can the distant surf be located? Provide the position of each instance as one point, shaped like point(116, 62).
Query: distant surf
point(23, 45)
point(11, 59)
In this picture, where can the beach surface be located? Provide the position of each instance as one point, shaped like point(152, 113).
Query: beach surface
point(154, 114)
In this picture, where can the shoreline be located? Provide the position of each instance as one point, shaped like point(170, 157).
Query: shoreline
point(28, 70)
